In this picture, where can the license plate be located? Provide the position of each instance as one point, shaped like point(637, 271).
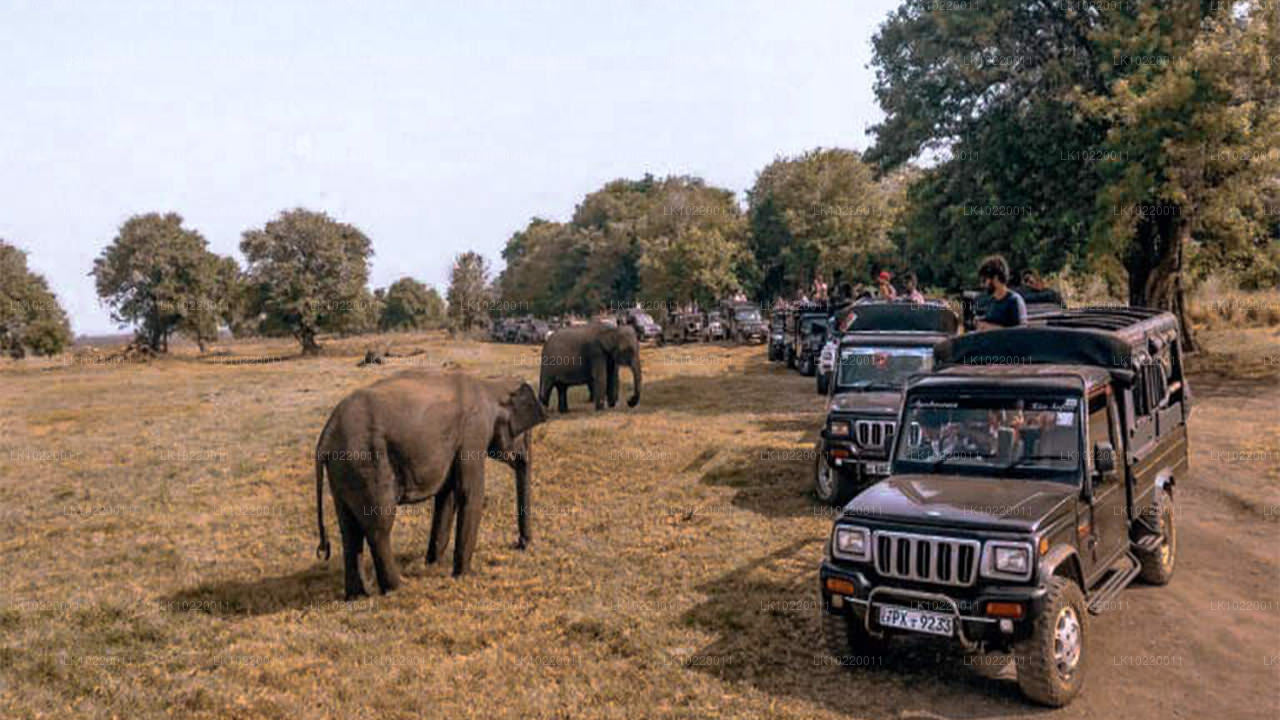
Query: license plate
point(917, 620)
point(877, 468)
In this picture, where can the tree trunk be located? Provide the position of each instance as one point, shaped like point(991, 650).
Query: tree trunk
point(1155, 266)
point(307, 337)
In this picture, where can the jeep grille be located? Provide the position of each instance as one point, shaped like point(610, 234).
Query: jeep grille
point(926, 558)
point(874, 434)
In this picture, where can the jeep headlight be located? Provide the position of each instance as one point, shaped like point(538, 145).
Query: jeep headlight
point(1007, 560)
point(839, 428)
point(851, 543)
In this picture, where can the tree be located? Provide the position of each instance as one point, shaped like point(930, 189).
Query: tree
point(160, 277)
point(813, 214)
point(30, 317)
point(410, 305)
point(308, 273)
point(468, 293)
point(671, 240)
point(1120, 132)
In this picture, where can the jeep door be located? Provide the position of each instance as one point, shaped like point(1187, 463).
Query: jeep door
point(1103, 528)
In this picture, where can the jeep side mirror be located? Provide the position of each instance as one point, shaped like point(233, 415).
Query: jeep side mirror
point(915, 434)
point(1104, 458)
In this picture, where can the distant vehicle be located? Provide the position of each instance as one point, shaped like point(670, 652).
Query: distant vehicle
point(533, 331)
point(498, 330)
point(683, 327)
point(715, 327)
point(1033, 481)
point(885, 343)
point(778, 335)
point(745, 323)
point(806, 333)
point(642, 323)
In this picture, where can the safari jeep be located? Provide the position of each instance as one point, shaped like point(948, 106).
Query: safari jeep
point(806, 332)
point(883, 344)
point(778, 334)
point(1034, 480)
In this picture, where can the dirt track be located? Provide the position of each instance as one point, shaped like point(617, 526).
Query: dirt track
point(157, 528)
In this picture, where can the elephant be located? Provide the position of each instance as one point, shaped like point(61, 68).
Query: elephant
point(589, 355)
point(416, 435)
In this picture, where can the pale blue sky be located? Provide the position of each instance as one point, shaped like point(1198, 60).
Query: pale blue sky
point(435, 127)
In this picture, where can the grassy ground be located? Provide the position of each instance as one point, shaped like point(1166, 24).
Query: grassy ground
point(157, 525)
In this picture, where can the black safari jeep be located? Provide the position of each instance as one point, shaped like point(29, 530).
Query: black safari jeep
point(1033, 482)
point(806, 332)
point(883, 344)
point(778, 334)
point(745, 323)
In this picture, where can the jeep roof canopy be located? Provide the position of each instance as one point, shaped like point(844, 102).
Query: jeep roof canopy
point(1119, 339)
point(904, 317)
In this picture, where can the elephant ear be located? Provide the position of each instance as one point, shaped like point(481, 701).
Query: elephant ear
point(525, 410)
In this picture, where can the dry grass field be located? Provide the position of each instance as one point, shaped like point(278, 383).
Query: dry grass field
point(157, 529)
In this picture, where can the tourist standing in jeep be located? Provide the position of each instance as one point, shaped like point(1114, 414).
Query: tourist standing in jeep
point(884, 343)
point(1033, 480)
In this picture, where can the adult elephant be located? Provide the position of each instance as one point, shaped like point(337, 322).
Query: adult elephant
point(413, 436)
point(589, 355)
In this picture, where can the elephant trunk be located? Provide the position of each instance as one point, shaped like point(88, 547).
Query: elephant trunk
point(635, 378)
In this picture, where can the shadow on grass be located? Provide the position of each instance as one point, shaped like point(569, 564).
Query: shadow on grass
point(765, 613)
point(316, 586)
point(771, 481)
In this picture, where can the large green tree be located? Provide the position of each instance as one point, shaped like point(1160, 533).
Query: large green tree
point(410, 305)
point(653, 240)
point(820, 212)
point(469, 293)
point(31, 320)
point(1081, 133)
point(308, 274)
point(161, 277)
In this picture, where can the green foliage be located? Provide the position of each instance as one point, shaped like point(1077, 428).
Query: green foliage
point(409, 305)
point(161, 278)
point(308, 273)
point(1126, 130)
point(657, 241)
point(30, 317)
point(469, 293)
point(817, 213)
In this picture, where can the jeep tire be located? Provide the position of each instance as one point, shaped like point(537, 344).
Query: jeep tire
point(1051, 661)
point(824, 381)
point(1157, 566)
point(843, 636)
point(806, 366)
point(833, 486)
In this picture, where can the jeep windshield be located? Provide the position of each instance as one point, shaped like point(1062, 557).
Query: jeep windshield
point(748, 315)
point(873, 368)
point(813, 324)
point(1028, 436)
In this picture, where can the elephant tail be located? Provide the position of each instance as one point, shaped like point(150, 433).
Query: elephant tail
point(322, 550)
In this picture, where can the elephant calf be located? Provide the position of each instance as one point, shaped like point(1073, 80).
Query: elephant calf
point(589, 355)
point(413, 436)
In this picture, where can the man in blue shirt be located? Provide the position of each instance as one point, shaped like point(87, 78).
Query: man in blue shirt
point(1006, 308)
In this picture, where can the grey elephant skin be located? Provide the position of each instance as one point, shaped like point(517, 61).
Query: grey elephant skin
point(414, 436)
point(589, 355)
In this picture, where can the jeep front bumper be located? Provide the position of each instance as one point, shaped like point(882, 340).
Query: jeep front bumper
point(974, 628)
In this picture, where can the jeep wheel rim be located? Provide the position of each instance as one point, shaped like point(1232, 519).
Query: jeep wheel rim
point(1066, 641)
point(824, 480)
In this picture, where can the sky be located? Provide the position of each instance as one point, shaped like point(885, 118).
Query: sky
point(435, 127)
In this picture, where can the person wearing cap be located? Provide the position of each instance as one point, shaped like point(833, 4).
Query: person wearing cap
point(886, 288)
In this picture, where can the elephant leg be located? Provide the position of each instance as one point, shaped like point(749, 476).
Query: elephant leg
point(441, 524)
point(384, 561)
point(598, 373)
point(352, 545)
point(562, 394)
point(470, 502)
point(612, 383)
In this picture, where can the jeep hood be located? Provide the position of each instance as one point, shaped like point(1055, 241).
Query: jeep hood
point(962, 501)
point(877, 402)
